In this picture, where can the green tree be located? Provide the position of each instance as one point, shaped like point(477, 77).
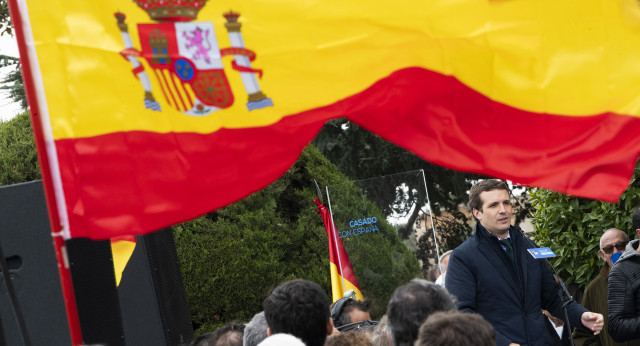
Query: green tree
point(12, 81)
point(232, 257)
point(572, 227)
point(18, 158)
point(6, 26)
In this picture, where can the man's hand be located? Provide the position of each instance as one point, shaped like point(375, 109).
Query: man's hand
point(593, 321)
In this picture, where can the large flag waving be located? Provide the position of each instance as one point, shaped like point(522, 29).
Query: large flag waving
point(152, 112)
point(343, 278)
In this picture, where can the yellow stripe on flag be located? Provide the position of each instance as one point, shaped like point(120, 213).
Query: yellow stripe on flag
point(336, 285)
point(548, 56)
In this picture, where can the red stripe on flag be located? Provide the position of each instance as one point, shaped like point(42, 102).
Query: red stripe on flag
point(134, 182)
point(137, 182)
point(449, 124)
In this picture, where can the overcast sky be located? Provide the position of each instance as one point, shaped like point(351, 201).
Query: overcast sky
point(8, 109)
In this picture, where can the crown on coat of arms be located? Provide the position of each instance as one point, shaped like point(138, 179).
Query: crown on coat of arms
point(171, 10)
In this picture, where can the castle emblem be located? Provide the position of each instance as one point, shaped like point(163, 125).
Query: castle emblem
point(186, 59)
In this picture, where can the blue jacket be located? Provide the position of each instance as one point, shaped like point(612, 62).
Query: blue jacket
point(484, 280)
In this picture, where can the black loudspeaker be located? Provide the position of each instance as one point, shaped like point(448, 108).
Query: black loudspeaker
point(152, 297)
point(25, 237)
point(94, 285)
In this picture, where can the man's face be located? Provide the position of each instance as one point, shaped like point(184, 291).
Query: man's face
point(609, 240)
point(358, 316)
point(495, 215)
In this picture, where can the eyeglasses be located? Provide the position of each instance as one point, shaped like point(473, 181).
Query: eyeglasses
point(355, 326)
point(620, 246)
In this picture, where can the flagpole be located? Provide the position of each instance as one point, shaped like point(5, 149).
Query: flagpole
point(20, 18)
point(335, 240)
point(433, 225)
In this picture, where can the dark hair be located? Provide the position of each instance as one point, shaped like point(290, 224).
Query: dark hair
point(348, 339)
point(635, 220)
point(475, 202)
point(300, 308)
point(456, 328)
point(343, 307)
point(227, 335)
point(256, 330)
point(411, 304)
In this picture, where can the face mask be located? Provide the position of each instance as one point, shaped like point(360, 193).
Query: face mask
point(615, 257)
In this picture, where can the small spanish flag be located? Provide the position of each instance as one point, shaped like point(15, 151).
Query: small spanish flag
point(343, 278)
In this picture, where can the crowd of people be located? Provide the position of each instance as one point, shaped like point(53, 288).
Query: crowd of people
point(492, 291)
point(298, 312)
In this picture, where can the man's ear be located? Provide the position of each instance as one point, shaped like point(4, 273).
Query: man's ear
point(475, 213)
point(269, 331)
point(330, 326)
point(638, 232)
point(601, 255)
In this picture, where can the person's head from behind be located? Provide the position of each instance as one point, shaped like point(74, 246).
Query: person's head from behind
point(347, 310)
point(490, 205)
point(349, 339)
point(227, 335)
point(256, 330)
point(410, 306)
point(443, 261)
point(612, 241)
point(300, 308)
point(456, 328)
point(380, 336)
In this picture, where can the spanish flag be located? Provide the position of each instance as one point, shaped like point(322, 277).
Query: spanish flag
point(152, 112)
point(343, 278)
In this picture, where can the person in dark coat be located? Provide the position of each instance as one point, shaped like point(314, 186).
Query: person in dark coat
point(492, 274)
point(612, 241)
point(624, 291)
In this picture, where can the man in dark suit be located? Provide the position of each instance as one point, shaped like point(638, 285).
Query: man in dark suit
point(492, 274)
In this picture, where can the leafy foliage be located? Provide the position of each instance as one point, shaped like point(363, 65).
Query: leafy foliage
point(232, 257)
point(572, 227)
point(18, 158)
point(450, 231)
point(12, 82)
point(6, 26)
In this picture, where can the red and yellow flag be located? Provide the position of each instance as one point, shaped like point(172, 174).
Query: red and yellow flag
point(154, 112)
point(343, 278)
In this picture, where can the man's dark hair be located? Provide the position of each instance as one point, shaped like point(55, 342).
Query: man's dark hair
point(635, 219)
point(475, 202)
point(456, 328)
point(300, 308)
point(227, 335)
point(256, 330)
point(410, 306)
point(349, 305)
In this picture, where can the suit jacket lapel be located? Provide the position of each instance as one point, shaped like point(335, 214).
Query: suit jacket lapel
point(499, 263)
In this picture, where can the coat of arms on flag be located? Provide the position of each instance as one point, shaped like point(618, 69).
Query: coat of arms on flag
point(186, 60)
